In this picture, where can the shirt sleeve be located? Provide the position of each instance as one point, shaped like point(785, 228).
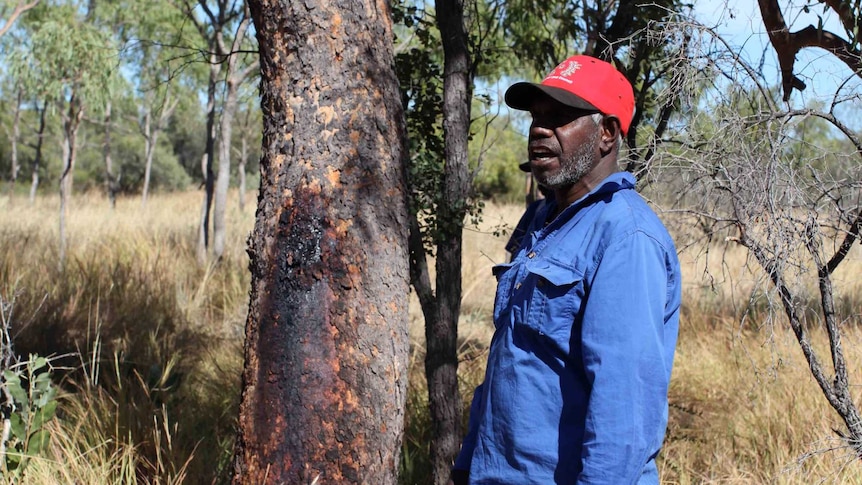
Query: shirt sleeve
point(465, 456)
point(627, 358)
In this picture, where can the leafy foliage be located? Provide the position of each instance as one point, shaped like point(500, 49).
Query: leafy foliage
point(65, 51)
point(30, 402)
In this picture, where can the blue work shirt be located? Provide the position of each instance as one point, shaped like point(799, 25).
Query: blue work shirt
point(586, 317)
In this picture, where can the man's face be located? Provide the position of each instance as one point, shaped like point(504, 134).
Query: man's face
point(563, 143)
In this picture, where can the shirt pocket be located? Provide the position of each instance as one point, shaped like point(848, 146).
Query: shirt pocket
point(557, 292)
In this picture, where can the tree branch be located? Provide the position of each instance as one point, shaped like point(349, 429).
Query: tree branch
point(787, 44)
point(846, 244)
point(19, 9)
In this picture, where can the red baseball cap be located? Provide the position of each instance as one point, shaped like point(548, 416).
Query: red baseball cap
point(582, 82)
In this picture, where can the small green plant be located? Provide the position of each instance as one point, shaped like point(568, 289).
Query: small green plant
point(30, 402)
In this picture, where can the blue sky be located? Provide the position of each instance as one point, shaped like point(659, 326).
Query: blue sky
point(740, 22)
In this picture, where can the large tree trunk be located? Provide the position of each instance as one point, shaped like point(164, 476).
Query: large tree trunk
point(326, 347)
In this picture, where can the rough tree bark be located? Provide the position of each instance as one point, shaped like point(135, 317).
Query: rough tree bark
point(324, 383)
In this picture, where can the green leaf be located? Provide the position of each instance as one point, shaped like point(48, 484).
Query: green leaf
point(19, 430)
point(37, 363)
point(13, 384)
point(44, 396)
point(42, 381)
point(43, 415)
point(12, 460)
point(38, 442)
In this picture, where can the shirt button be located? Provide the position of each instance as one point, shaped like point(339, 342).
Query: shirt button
point(517, 286)
point(532, 255)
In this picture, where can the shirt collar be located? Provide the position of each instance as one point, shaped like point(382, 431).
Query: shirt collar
point(613, 183)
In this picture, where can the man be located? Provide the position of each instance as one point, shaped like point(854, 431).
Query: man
point(587, 312)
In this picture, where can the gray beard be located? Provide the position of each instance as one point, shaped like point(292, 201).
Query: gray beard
point(574, 167)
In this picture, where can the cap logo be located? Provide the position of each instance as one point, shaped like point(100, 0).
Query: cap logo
point(565, 70)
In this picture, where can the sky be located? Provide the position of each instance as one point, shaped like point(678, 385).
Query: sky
point(740, 22)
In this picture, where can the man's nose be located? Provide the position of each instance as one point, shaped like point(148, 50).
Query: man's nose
point(539, 129)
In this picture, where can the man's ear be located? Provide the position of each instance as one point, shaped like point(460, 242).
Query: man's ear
point(610, 134)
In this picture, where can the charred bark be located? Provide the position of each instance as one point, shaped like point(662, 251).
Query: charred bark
point(324, 383)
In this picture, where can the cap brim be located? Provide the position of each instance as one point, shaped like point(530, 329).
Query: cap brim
point(522, 95)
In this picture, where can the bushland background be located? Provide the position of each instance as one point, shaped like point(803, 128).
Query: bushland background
point(160, 406)
point(129, 191)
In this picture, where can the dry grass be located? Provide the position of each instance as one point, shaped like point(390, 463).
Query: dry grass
point(744, 408)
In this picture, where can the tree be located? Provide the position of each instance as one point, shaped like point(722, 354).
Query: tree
point(234, 77)
point(214, 29)
point(832, 210)
point(150, 32)
point(792, 202)
point(324, 383)
point(37, 157)
point(474, 36)
point(13, 142)
point(71, 61)
point(157, 108)
point(441, 330)
point(248, 130)
point(19, 8)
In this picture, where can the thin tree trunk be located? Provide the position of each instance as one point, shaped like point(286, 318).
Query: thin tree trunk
point(149, 148)
point(207, 165)
point(243, 159)
point(16, 134)
point(37, 158)
point(70, 149)
point(441, 333)
point(223, 179)
point(154, 121)
point(233, 78)
point(324, 384)
point(203, 226)
point(110, 181)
